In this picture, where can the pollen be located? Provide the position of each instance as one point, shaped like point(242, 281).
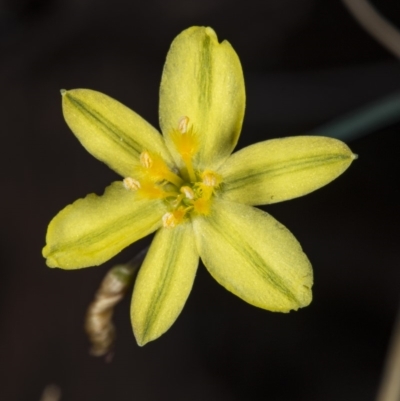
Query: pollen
point(172, 219)
point(146, 160)
point(185, 139)
point(131, 184)
point(186, 142)
point(183, 124)
point(154, 166)
point(188, 192)
point(155, 169)
point(146, 189)
point(211, 179)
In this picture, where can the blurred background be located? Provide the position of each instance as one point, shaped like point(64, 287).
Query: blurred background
point(306, 64)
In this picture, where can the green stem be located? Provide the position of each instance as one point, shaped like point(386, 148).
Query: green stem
point(363, 121)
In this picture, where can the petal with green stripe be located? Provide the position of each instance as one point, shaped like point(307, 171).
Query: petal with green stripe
point(164, 282)
point(203, 80)
point(94, 229)
point(255, 257)
point(282, 169)
point(110, 131)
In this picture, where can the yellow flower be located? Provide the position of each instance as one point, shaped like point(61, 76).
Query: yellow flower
point(186, 185)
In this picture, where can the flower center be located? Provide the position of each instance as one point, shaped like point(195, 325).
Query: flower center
point(187, 191)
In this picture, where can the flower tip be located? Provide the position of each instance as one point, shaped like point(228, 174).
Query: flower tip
point(63, 92)
point(141, 340)
point(51, 262)
point(354, 156)
point(211, 32)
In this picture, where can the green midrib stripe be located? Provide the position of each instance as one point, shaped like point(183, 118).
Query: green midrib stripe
point(204, 79)
point(163, 282)
point(249, 253)
point(254, 175)
point(111, 131)
point(205, 75)
point(96, 237)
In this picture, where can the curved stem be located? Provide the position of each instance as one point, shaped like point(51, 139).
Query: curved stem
point(375, 24)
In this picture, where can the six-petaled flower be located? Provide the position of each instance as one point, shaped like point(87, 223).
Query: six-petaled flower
point(186, 185)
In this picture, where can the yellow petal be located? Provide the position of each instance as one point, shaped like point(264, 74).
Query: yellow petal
point(164, 282)
point(110, 131)
point(203, 80)
point(282, 169)
point(254, 256)
point(94, 229)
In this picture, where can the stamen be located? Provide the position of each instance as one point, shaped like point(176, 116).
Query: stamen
point(168, 220)
point(172, 219)
point(156, 169)
point(150, 190)
point(146, 160)
point(176, 202)
point(188, 192)
point(189, 166)
point(131, 184)
point(183, 124)
point(205, 191)
point(186, 143)
point(173, 178)
point(211, 179)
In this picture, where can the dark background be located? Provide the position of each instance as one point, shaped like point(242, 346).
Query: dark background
point(305, 62)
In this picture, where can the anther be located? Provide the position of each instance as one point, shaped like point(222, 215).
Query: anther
point(155, 169)
point(168, 220)
point(188, 192)
point(145, 159)
point(171, 220)
point(183, 124)
point(210, 179)
point(131, 184)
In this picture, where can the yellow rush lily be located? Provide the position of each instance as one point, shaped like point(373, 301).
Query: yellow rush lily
point(186, 185)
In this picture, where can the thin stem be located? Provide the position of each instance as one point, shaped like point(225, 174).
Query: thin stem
point(363, 121)
point(173, 178)
point(189, 166)
point(375, 24)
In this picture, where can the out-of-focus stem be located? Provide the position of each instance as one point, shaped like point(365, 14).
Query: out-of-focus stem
point(98, 324)
point(390, 384)
point(375, 24)
point(363, 121)
point(51, 393)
